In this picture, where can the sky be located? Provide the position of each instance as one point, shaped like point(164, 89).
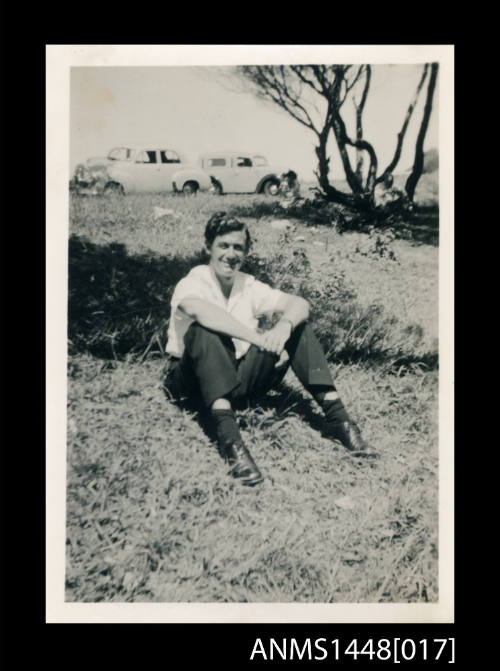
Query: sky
point(199, 109)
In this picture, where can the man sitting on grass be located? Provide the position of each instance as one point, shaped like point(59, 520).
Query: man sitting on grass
point(218, 357)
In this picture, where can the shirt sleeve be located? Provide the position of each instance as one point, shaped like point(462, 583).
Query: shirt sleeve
point(188, 287)
point(264, 298)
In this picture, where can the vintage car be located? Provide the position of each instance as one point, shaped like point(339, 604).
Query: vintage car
point(139, 169)
point(241, 172)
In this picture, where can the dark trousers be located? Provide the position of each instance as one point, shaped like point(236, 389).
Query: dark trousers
point(209, 369)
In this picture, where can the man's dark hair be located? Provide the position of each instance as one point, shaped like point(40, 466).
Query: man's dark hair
point(221, 223)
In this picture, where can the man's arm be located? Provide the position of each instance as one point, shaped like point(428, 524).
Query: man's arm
point(294, 310)
point(216, 319)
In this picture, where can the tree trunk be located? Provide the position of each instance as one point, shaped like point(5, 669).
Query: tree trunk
point(359, 123)
point(363, 197)
point(418, 163)
point(351, 177)
point(323, 163)
point(332, 194)
point(359, 153)
point(334, 120)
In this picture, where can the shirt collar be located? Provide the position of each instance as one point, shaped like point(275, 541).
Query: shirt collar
point(235, 289)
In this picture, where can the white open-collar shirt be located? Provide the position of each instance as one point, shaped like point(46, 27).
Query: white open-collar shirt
point(249, 299)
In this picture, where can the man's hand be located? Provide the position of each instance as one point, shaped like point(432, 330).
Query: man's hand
point(274, 340)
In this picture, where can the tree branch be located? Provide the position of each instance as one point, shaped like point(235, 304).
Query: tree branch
point(319, 73)
point(357, 76)
point(268, 85)
point(298, 69)
point(418, 164)
point(368, 70)
point(342, 73)
point(342, 140)
point(294, 99)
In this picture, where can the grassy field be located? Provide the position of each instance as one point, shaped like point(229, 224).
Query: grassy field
point(151, 513)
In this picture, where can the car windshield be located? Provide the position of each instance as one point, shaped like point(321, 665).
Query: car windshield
point(259, 161)
point(121, 154)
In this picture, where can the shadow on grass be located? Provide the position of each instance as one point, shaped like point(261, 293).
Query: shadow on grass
point(287, 400)
point(283, 399)
point(420, 225)
point(426, 360)
point(119, 305)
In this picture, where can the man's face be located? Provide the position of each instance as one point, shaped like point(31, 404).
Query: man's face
point(227, 253)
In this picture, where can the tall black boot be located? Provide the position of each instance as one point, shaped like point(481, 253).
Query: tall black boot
point(242, 466)
point(340, 426)
point(349, 434)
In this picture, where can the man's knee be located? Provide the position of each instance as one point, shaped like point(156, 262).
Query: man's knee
point(203, 343)
point(300, 332)
point(196, 333)
point(196, 330)
point(262, 360)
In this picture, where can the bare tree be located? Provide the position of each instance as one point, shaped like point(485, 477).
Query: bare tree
point(418, 163)
point(314, 95)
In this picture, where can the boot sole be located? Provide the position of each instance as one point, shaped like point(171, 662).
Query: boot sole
point(249, 481)
point(252, 483)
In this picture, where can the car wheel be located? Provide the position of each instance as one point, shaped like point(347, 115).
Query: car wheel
point(271, 188)
point(190, 188)
point(114, 188)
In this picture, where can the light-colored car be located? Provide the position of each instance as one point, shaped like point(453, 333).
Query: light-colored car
point(241, 172)
point(141, 169)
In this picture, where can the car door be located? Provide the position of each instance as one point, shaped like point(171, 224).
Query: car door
point(147, 175)
point(243, 178)
point(169, 164)
point(219, 166)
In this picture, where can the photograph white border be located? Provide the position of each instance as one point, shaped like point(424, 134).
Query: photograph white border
point(59, 61)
